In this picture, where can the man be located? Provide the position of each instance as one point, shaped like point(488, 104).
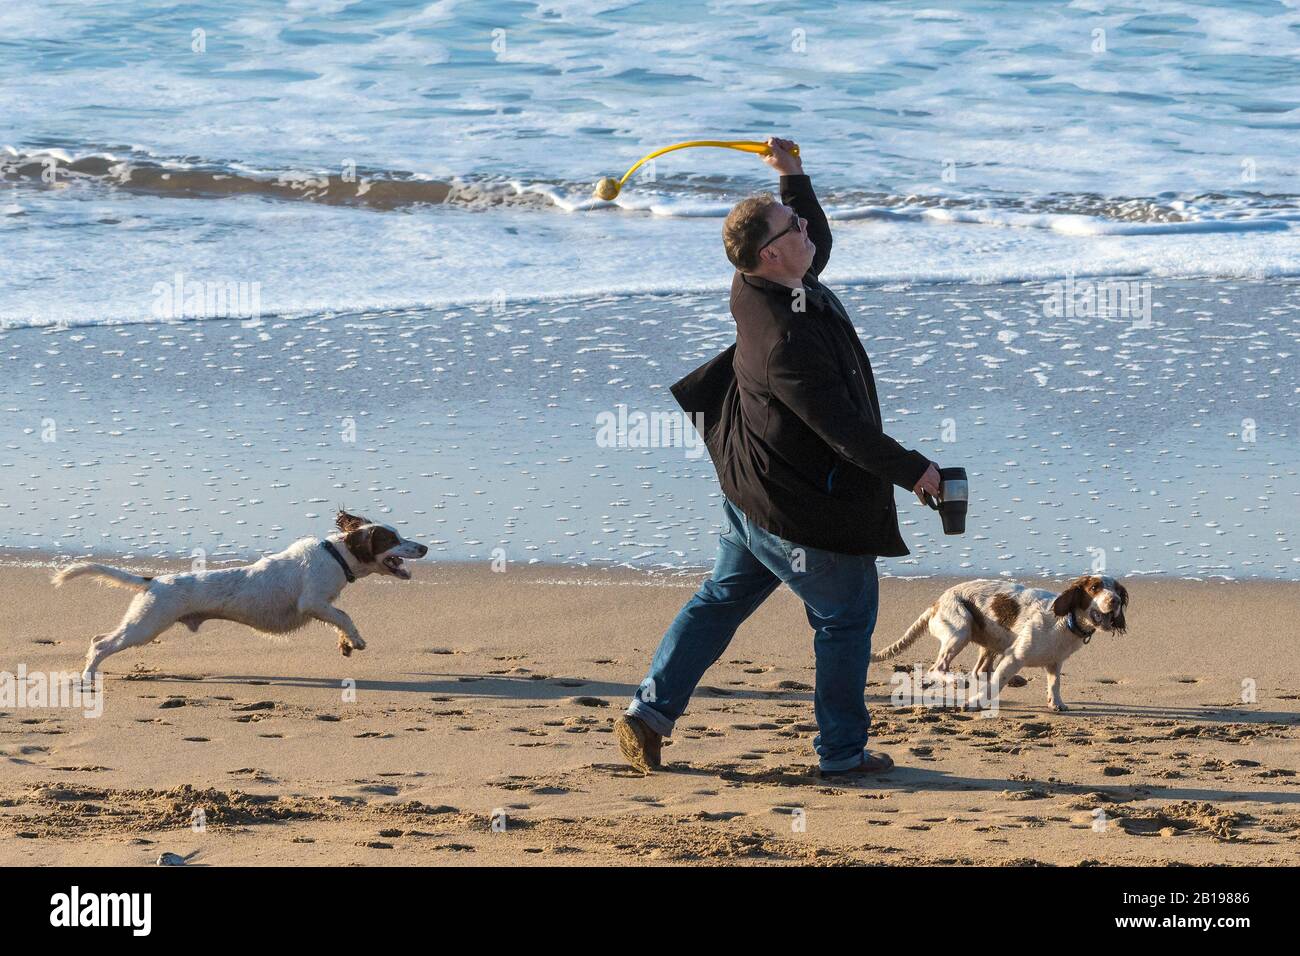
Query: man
point(792, 423)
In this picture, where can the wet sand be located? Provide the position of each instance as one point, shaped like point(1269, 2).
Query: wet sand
point(478, 431)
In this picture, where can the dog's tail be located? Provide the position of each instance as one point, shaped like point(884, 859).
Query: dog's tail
point(907, 640)
point(112, 576)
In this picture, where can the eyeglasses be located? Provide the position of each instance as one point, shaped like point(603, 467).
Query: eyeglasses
point(795, 226)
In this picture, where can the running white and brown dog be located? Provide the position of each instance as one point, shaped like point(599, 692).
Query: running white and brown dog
point(1015, 626)
point(278, 594)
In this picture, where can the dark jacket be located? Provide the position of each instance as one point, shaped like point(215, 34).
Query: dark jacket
point(790, 413)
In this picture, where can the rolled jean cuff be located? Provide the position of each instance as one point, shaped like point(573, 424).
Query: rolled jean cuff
point(652, 718)
point(844, 763)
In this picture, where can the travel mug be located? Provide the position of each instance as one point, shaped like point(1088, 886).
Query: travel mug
point(952, 500)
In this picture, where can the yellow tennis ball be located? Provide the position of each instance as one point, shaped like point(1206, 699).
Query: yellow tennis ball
point(607, 189)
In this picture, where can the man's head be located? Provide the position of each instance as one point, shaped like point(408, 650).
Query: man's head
point(765, 238)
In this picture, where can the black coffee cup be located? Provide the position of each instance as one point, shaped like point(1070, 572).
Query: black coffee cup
point(952, 500)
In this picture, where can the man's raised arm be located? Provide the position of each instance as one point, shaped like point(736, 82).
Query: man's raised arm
point(797, 193)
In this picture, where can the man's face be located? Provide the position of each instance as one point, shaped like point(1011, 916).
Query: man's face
point(791, 251)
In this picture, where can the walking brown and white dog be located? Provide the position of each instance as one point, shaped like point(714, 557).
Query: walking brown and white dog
point(278, 594)
point(1017, 627)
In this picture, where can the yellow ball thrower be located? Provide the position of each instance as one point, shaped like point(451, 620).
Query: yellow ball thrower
point(609, 188)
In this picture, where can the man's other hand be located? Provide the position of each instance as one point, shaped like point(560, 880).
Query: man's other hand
point(780, 158)
point(929, 484)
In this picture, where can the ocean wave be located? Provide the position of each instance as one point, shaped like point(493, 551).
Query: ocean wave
point(1081, 214)
point(381, 190)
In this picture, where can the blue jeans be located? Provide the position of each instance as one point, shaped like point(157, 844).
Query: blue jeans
point(840, 593)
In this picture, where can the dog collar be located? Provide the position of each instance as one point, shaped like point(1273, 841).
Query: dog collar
point(1073, 627)
point(334, 553)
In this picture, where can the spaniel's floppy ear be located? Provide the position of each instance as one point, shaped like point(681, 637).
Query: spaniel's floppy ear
point(1074, 596)
point(347, 523)
point(358, 542)
point(1119, 622)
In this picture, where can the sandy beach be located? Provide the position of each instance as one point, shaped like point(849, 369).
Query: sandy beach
point(480, 733)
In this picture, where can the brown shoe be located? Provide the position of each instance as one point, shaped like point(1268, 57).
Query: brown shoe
point(871, 763)
point(640, 745)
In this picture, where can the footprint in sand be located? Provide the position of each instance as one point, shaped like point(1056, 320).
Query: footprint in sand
point(523, 672)
point(252, 773)
point(380, 789)
point(578, 725)
point(1030, 793)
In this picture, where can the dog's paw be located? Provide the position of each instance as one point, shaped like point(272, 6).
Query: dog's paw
point(1059, 708)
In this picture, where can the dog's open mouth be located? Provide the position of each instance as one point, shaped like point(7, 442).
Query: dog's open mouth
point(1101, 618)
point(393, 565)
